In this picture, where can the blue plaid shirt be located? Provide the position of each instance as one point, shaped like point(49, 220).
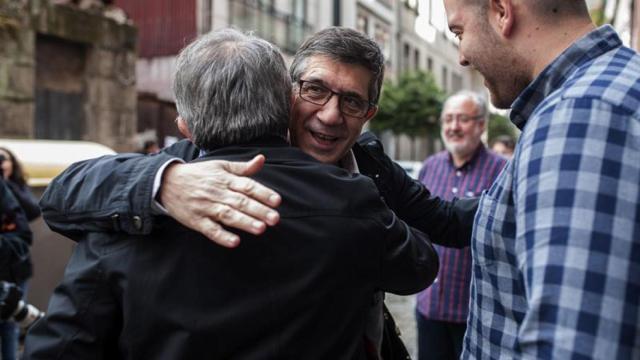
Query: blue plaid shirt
point(556, 240)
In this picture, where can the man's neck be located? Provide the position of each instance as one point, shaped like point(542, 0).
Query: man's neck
point(545, 45)
point(348, 162)
point(459, 160)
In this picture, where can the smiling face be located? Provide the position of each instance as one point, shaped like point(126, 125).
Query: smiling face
point(484, 49)
point(322, 131)
point(462, 126)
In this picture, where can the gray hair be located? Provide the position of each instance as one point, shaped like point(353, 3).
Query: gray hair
point(346, 46)
point(232, 88)
point(479, 101)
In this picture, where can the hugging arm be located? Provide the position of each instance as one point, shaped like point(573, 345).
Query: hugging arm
point(116, 193)
point(409, 261)
point(446, 223)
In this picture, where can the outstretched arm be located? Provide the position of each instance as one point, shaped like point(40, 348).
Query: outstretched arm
point(116, 193)
point(446, 223)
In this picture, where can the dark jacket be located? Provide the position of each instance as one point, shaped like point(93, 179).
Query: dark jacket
point(27, 201)
point(114, 193)
point(15, 260)
point(299, 291)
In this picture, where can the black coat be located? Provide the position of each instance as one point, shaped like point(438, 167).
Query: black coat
point(15, 237)
point(300, 291)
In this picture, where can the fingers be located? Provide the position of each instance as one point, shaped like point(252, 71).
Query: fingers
point(204, 196)
point(245, 168)
point(217, 233)
point(250, 187)
point(255, 199)
point(231, 217)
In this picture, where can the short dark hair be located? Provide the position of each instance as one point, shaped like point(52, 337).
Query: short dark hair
point(505, 140)
point(346, 46)
point(232, 88)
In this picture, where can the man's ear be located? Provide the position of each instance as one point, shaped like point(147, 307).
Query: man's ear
point(483, 124)
point(183, 128)
point(502, 15)
point(371, 113)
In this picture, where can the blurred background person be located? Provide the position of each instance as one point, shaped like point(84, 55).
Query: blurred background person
point(16, 182)
point(150, 147)
point(504, 145)
point(464, 169)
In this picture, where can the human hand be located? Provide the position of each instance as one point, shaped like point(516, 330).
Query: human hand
point(204, 195)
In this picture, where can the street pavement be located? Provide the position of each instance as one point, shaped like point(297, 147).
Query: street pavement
point(402, 308)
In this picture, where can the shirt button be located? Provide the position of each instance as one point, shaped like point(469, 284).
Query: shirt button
point(137, 222)
point(458, 173)
point(454, 190)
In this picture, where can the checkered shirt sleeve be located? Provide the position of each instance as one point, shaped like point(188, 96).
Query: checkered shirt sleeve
point(556, 240)
point(577, 211)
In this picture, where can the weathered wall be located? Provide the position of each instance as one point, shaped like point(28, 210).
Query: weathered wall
point(107, 66)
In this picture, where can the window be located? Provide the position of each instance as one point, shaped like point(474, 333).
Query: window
point(299, 9)
point(430, 64)
point(382, 36)
point(456, 82)
point(445, 76)
point(416, 59)
point(406, 58)
point(362, 24)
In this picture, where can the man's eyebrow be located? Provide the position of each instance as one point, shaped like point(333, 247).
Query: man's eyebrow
point(316, 80)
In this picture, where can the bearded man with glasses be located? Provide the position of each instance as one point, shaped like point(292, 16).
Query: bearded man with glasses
point(463, 170)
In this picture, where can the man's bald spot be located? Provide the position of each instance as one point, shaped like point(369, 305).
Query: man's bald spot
point(557, 8)
point(544, 9)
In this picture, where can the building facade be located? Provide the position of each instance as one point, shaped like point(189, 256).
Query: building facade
point(66, 73)
point(165, 26)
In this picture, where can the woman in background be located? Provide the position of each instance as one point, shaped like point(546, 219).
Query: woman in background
point(15, 179)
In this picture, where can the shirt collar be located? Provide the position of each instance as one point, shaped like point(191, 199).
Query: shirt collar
point(266, 141)
point(592, 45)
point(348, 162)
point(480, 150)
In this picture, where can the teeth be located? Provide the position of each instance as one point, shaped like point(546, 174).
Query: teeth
point(324, 137)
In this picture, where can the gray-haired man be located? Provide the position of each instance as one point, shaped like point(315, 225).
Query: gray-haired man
point(299, 291)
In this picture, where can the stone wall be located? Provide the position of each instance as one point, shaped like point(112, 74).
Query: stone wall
point(107, 76)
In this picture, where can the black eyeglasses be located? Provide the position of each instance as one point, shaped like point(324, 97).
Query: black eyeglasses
point(318, 94)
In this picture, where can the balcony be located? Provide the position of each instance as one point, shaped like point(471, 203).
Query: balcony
point(285, 30)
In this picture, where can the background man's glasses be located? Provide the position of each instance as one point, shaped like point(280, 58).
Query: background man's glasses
point(463, 119)
point(318, 94)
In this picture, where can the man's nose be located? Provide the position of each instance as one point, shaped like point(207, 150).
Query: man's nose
point(330, 113)
point(455, 124)
point(462, 60)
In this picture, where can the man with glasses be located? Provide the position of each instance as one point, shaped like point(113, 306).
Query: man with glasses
point(337, 76)
point(463, 170)
point(299, 291)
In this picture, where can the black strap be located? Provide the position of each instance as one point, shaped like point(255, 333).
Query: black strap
point(392, 346)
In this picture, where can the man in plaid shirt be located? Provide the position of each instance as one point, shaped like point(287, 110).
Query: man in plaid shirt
point(556, 240)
